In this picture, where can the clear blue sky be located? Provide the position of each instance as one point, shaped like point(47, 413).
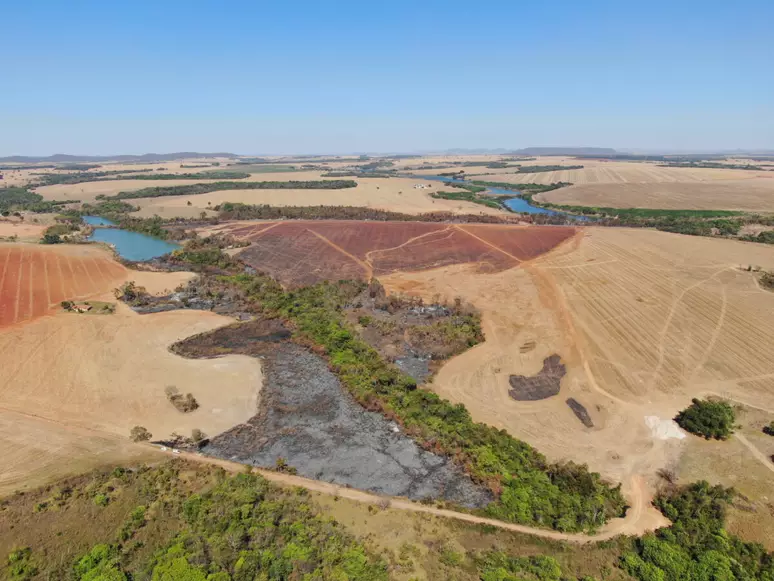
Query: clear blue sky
point(338, 76)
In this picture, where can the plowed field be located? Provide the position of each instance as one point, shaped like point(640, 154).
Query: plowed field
point(305, 252)
point(35, 279)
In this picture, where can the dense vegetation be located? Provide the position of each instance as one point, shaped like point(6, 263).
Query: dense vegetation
point(529, 489)
point(525, 189)
point(697, 547)
point(497, 566)
point(468, 196)
point(18, 199)
point(710, 419)
point(50, 179)
point(225, 529)
point(236, 211)
point(202, 175)
point(195, 189)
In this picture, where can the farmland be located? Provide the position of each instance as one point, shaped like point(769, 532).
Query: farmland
point(72, 388)
point(304, 252)
point(35, 279)
point(642, 320)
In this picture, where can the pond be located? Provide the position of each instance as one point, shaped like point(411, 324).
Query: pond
point(129, 245)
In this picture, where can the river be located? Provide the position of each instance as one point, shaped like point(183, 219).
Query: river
point(514, 203)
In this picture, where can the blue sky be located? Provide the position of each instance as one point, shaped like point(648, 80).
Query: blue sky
point(332, 77)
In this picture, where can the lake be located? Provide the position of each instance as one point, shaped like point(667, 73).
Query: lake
point(128, 245)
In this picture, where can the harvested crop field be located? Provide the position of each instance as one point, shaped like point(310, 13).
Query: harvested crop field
point(305, 252)
point(643, 321)
point(34, 279)
point(74, 385)
point(751, 195)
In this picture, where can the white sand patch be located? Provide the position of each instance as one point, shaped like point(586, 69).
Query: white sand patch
point(664, 429)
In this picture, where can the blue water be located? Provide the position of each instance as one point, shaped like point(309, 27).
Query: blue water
point(518, 205)
point(129, 245)
point(97, 221)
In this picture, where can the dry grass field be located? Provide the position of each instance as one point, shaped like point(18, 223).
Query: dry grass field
point(643, 320)
point(394, 194)
point(74, 385)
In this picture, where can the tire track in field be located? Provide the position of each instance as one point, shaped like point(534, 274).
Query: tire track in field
point(48, 285)
point(365, 266)
point(6, 260)
point(668, 323)
point(406, 243)
point(518, 260)
point(18, 287)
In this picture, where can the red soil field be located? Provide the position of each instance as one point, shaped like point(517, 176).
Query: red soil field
point(302, 252)
point(35, 279)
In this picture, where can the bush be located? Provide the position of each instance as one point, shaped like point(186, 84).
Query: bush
point(769, 430)
point(139, 434)
point(183, 403)
point(710, 419)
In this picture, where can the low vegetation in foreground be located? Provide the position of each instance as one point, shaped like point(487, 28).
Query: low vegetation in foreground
point(164, 524)
point(709, 419)
point(185, 522)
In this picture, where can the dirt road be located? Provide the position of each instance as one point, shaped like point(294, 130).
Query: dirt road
point(632, 524)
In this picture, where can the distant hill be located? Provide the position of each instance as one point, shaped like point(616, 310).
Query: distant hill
point(147, 157)
point(607, 151)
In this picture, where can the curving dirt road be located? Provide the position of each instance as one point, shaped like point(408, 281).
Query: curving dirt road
point(636, 521)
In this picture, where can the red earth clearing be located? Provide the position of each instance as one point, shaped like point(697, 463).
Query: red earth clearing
point(35, 279)
point(302, 252)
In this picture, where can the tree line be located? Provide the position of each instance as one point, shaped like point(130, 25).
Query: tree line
point(196, 189)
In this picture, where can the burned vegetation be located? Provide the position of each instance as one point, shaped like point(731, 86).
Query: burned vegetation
point(413, 335)
point(546, 383)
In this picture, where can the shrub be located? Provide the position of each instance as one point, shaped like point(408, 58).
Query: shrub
point(710, 419)
point(769, 430)
point(139, 434)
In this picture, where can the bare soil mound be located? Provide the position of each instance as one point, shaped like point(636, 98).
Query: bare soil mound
point(541, 386)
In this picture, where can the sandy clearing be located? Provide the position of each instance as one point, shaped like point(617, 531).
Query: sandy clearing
point(36, 451)
point(392, 194)
point(24, 231)
point(754, 195)
point(109, 372)
point(644, 321)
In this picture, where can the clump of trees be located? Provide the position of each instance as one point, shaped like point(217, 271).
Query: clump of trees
point(132, 294)
point(707, 418)
point(696, 547)
point(139, 434)
point(16, 199)
point(183, 403)
point(468, 196)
